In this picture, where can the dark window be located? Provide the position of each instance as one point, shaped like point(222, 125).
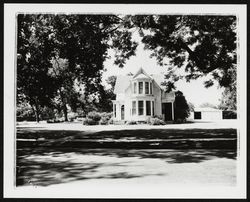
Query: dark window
point(133, 107)
point(197, 115)
point(146, 88)
point(140, 87)
point(148, 108)
point(150, 88)
point(140, 107)
point(153, 108)
point(115, 110)
point(122, 112)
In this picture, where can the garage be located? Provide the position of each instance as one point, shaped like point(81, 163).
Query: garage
point(207, 114)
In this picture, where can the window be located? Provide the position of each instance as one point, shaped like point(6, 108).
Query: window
point(153, 108)
point(115, 110)
point(150, 92)
point(140, 87)
point(135, 86)
point(148, 108)
point(140, 107)
point(122, 112)
point(133, 107)
point(197, 115)
point(146, 88)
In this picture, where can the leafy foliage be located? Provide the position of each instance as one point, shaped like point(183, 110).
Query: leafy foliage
point(209, 105)
point(181, 107)
point(202, 44)
point(34, 48)
point(56, 51)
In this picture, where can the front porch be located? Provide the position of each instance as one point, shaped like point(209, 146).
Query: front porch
point(141, 110)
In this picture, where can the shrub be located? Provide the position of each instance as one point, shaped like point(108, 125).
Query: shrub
point(131, 123)
point(111, 121)
point(88, 121)
point(55, 121)
point(72, 116)
point(104, 121)
point(106, 115)
point(180, 121)
point(95, 116)
point(229, 115)
point(156, 121)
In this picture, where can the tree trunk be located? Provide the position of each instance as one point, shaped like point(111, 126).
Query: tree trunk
point(37, 113)
point(65, 112)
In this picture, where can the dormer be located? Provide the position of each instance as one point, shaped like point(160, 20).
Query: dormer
point(142, 83)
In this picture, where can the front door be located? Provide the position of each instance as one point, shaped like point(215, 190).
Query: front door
point(167, 111)
point(122, 112)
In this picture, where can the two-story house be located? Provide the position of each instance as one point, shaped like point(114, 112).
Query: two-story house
point(141, 96)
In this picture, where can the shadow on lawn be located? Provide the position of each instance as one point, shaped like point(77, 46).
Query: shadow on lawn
point(31, 133)
point(43, 167)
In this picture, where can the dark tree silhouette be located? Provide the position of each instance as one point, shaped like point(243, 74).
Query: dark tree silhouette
point(181, 110)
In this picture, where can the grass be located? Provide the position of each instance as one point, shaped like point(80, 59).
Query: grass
point(128, 139)
point(138, 134)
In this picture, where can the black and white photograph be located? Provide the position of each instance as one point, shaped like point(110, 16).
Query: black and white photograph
point(125, 101)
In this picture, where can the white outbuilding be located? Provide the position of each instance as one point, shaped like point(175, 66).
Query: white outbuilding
point(207, 114)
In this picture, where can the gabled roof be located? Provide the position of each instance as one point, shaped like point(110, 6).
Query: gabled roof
point(141, 74)
point(206, 109)
point(123, 82)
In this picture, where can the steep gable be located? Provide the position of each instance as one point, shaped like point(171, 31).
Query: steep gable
point(141, 74)
point(123, 81)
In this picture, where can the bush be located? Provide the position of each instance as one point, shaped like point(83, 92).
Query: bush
point(111, 121)
point(104, 121)
point(72, 116)
point(229, 115)
point(156, 121)
point(95, 116)
point(88, 121)
point(178, 121)
point(131, 123)
point(55, 121)
point(106, 115)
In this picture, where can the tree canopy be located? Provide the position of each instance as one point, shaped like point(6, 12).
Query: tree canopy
point(201, 44)
point(57, 52)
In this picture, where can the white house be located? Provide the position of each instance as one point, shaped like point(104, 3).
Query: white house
point(141, 96)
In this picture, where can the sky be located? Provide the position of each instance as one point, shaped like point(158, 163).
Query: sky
point(194, 91)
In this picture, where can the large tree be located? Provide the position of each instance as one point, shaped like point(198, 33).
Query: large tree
point(33, 52)
point(201, 44)
point(82, 40)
